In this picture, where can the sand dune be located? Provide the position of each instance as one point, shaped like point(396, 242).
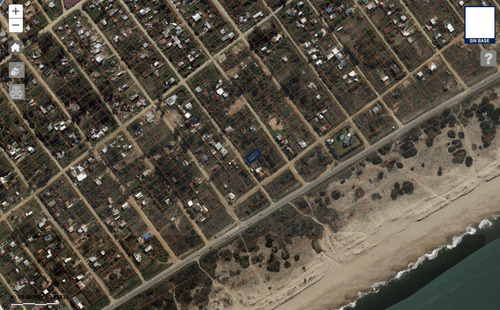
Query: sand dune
point(421, 226)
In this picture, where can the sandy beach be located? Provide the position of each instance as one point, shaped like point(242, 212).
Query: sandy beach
point(401, 241)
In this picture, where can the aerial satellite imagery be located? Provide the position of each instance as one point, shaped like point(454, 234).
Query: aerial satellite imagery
point(249, 154)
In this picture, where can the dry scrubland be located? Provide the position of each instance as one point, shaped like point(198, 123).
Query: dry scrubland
point(248, 260)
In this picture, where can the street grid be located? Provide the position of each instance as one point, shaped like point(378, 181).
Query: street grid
point(241, 127)
point(176, 42)
point(60, 74)
point(116, 210)
point(112, 79)
point(13, 189)
point(333, 64)
point(444, 13)
point(36, 223)
point(297, 79)
point(268, 101)
point(157, 199)
point(48, 121)
point(205, 143)
point(404, 36)
point(462, 59)
point(177, 173)
point(15, 272)
point(135, 50)
point(245, 13)
point(382, 67)
point(46, 54)
point(207, 22)
point(24, 149)
point(87, 234)
point(406, 98)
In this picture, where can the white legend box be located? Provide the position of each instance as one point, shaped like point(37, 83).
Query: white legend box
point(479, 24)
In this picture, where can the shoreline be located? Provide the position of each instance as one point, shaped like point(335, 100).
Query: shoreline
point(456, 240)
point(346, 281)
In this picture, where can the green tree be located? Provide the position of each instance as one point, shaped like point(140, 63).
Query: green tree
point(408, 149)
point(273, 264)
point(468, 161)
point(335, 195)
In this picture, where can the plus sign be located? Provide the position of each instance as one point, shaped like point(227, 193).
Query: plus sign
point(16, 10)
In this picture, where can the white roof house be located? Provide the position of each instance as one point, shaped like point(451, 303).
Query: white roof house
point(196, 17)
point(81, 176)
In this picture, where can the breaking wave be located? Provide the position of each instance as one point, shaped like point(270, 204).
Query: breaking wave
point(470, 230)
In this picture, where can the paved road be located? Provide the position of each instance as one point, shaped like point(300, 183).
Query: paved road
point(244, 225)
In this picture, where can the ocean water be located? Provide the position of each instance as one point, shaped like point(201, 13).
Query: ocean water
point(474, 283)
point(462, 275)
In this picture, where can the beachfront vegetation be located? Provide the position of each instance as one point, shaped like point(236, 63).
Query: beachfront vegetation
point(487, 115)
point(468, 161)
point(406, 188)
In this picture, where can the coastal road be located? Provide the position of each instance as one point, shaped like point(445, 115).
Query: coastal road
point(482, 85)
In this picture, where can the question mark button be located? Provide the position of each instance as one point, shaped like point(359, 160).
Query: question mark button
point(488, 58)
